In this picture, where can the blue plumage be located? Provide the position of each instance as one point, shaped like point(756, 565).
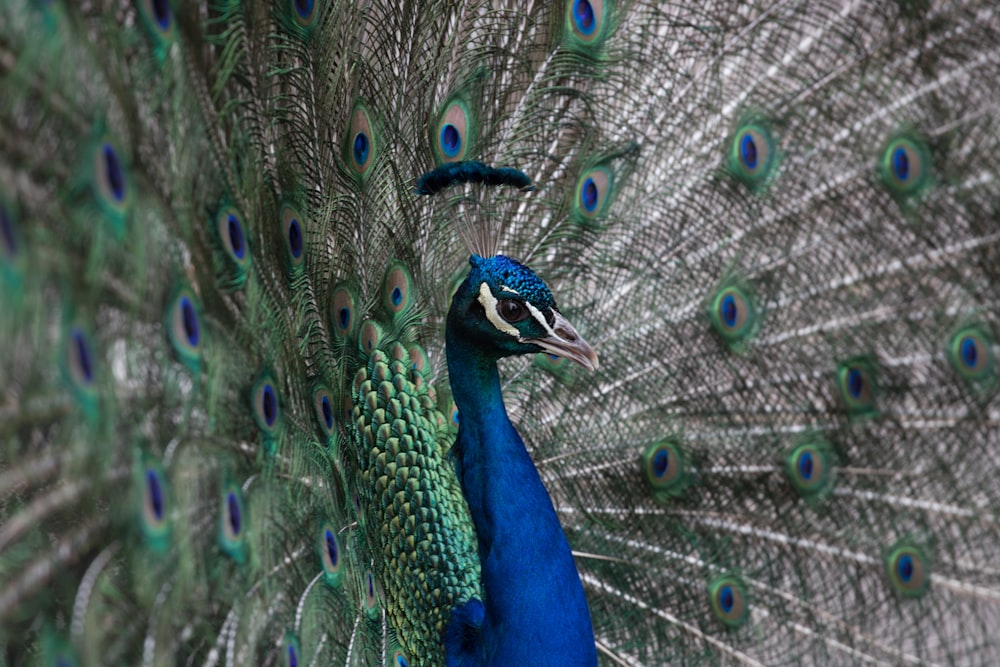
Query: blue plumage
point(535, 609)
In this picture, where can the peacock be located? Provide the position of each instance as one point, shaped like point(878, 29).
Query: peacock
point(586, 332)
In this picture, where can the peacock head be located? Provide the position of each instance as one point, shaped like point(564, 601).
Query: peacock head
point(504, 309)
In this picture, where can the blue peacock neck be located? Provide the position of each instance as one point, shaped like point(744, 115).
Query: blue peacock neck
point(535, 609)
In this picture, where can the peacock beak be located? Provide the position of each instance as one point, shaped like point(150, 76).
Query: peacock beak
point(564, 341)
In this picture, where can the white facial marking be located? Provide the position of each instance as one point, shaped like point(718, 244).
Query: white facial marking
point(507, 289)
point(537, 314)
point(489, 304)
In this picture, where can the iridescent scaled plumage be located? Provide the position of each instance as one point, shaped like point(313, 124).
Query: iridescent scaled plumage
point(415, 515)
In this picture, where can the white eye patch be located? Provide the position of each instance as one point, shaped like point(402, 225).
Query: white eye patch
point(489, 304)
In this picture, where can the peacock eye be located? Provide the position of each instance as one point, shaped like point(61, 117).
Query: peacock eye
point(512, 311)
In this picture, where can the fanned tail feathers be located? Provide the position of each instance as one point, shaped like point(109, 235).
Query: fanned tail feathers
point(224, 408)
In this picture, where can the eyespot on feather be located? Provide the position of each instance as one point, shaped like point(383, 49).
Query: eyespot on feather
point(454, 132)
point(293, 233)
point(323, 404)
point(856, 380)
point(587, 23)
point(733, 315)
point(908, 570)
point(153, 509)
point(80, 361)
point(728, 599)
point(158, 17)
point(752, 155)
point(232, 523)
point(397, 291)
point(292, 650)
point(372, 608)
point(359, 512)
point(360, 144)
point(370, 337)
point(304, 11)
point(809, 468)
point(666, 470)
point(343, 313)
point(266, 405)
point(593, 194)
point(418, 360)
point(112, 185)
point(154, 503)
point(970, 352)
point(183, 326)
point(906, 166)
point(230, 232)
point(558, 366)
point(330, 556)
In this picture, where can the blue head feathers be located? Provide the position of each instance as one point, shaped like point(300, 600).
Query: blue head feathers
point(512, 275)
point(505, 309)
